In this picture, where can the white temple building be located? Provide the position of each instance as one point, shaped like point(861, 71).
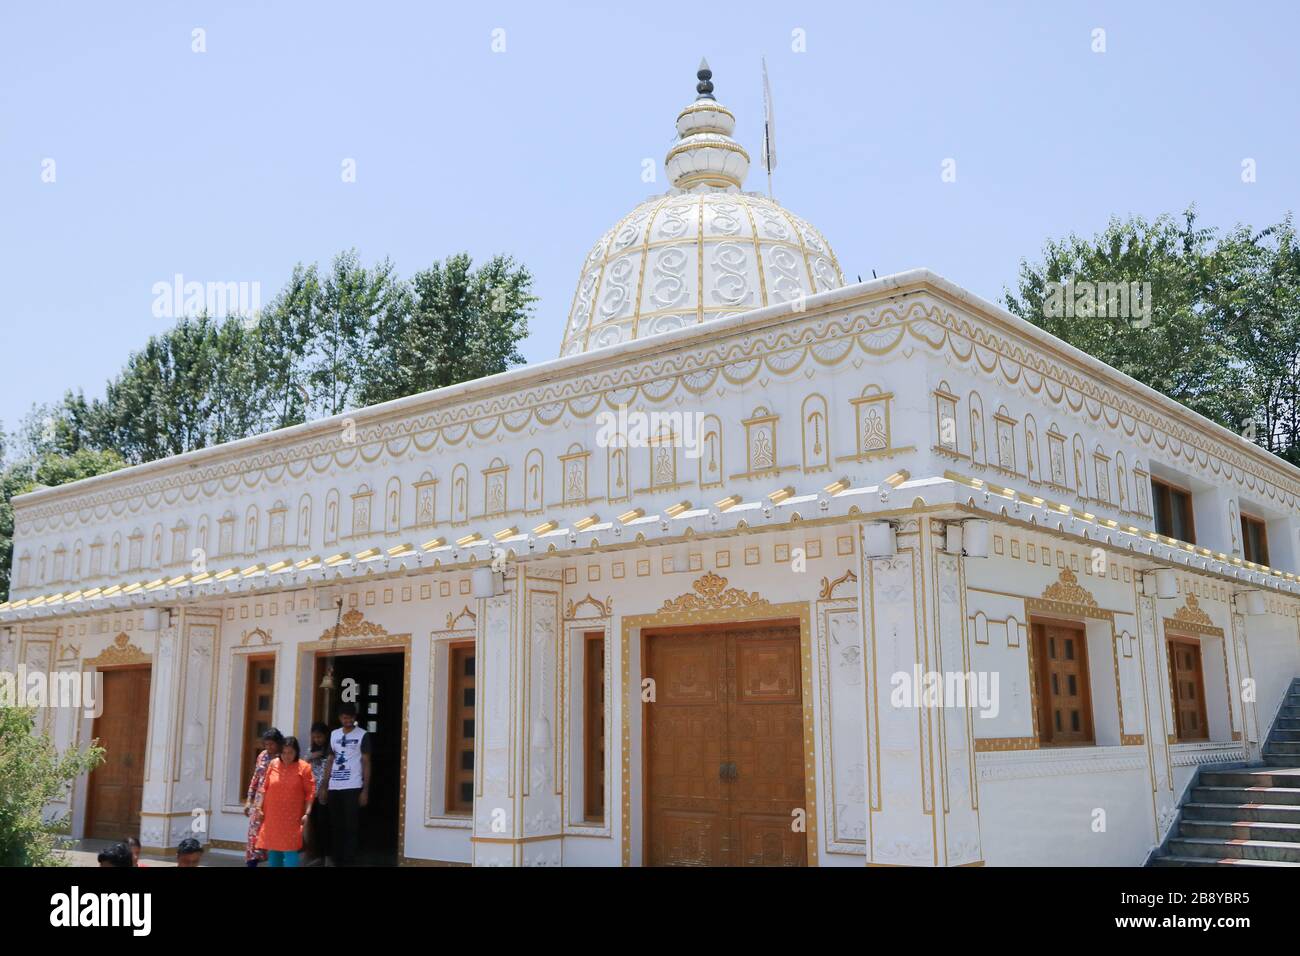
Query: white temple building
point(764, 569)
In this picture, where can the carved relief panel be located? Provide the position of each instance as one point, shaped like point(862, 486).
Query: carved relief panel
point(816, 434)
point(573, 465)
point(494, 488)
point(710, 452)
point(361, 501)
point(426, 501)
point(534, 482)
point(460, 494)
point(872, 411)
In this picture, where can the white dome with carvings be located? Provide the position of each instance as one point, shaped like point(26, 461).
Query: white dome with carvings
point(701, 251)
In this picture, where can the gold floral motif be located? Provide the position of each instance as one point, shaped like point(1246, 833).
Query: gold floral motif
point(1193, 613)
point(829, 586)
point(712, 593)
point(120, 652)
point(354, 625)
point(1068, 590)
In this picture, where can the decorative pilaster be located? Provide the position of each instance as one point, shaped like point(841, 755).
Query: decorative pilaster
point(914, 627)
point(518, 788)
point(178, 776)
point(1156, 715)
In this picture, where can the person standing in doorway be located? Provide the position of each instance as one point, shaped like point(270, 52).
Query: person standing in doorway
point(347, 784)
point(272, 740)
point(317, 832)
point(286, 799)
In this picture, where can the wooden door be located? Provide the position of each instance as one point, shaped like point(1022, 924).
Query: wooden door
point(116, 786)
point(724, 768)
point(1188, 686)
point(1065, 707)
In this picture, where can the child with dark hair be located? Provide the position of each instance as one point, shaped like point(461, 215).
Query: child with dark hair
point(347, 784)
point(272, 740)
point(117, 857)
point(133, 844)
point(285, 800)
point(189, 852)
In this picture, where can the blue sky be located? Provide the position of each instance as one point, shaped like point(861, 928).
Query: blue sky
point(225, 166)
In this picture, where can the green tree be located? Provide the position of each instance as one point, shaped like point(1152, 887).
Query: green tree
point(1177, 347)
point(1255, 300)
point(463, 323)
point(32, 774)
point(47, 469)
point(352, 304)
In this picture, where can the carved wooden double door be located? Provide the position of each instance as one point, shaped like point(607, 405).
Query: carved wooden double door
point(117, 785)
point(724, 744)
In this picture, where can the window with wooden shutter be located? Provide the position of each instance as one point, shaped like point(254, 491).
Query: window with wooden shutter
point(1254, 539)
point(1173, 511)
point(593, 724)
point(1064, 700)
point(460, 728)
point(259, 698)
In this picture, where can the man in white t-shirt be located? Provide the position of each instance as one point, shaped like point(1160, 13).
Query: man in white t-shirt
point(346, 784)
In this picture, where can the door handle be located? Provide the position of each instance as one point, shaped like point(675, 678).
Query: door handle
point(727, 771)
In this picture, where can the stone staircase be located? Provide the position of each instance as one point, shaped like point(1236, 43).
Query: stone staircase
point(1248, 816)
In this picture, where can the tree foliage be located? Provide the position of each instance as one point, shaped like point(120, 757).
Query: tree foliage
point(331, 340)
point(1222, 334)
point(33, 773)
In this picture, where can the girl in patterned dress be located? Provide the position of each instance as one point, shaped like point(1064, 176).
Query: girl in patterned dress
point(272, 740)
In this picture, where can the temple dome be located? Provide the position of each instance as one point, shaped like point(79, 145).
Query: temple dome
point(703, 250)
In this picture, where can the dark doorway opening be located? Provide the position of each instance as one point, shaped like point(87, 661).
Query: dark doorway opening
point(376, 680)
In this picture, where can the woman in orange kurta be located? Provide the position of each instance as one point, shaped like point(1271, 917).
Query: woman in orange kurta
point(285, 801)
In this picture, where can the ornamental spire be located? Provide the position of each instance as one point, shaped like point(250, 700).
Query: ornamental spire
point(705, 157)
point(705, 76)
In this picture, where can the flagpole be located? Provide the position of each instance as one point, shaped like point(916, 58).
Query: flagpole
point(769, 154)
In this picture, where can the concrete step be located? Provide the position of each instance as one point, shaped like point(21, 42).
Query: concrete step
point(1273, 745)
point(1241, 830)
point(1273, 795)
point(1250, 777)
point(1279, 760)
point(1235, 849)
point(1282, 734)
point(1211, 861)
point(1232, 812)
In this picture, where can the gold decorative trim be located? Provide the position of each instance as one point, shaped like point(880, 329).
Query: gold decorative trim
point(120, 653)
point(605, 609)
point(354, 624)
point(712, 593)
point(414, 861)
point(984, 745)
point(1192, 614)
point(256, 632)
point(1068, 590)
point(828, 586)
point(452, 619)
